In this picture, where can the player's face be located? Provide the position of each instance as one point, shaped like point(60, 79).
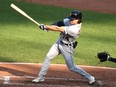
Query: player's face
point(73, 22)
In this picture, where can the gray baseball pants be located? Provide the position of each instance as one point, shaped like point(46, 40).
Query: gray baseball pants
point(67, 53)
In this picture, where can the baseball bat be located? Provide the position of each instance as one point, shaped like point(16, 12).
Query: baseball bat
point(23, 13)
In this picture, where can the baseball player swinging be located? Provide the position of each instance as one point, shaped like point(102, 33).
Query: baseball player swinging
point(70, 28)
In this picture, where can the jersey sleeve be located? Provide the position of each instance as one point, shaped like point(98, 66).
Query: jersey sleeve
point(64, 22)
point(59, 23)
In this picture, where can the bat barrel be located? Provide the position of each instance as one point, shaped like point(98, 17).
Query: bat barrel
point(23, 13)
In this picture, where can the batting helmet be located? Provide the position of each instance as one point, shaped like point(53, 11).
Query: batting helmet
point(75, 14)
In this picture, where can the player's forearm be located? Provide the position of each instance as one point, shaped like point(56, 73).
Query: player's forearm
point(54, 28)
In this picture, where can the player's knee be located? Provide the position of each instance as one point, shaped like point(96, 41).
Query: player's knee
point(49, 57)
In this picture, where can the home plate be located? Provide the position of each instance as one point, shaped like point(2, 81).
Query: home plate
point(16, 79)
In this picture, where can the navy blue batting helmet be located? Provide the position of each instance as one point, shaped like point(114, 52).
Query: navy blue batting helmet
point(75, 14)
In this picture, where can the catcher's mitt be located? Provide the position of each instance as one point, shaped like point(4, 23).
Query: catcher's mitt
point(103, 56)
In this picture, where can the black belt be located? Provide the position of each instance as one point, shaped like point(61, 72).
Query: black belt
point(74, 44)
point(65, 43)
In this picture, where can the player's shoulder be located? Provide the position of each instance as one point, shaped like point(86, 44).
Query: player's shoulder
point(66, 21)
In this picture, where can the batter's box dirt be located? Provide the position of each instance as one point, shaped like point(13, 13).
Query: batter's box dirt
point(21, 75)
point(25, 81)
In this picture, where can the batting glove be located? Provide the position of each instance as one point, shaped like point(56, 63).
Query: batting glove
point(42, 27)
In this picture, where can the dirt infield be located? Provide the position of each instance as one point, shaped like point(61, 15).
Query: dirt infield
point(20, 75)
point(103, 6)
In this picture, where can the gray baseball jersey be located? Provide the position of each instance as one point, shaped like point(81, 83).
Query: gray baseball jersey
point(70, 32)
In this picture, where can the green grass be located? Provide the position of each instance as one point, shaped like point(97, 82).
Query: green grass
point(22, 41)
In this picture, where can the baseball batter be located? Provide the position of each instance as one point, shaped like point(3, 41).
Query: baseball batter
point(70, 28)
